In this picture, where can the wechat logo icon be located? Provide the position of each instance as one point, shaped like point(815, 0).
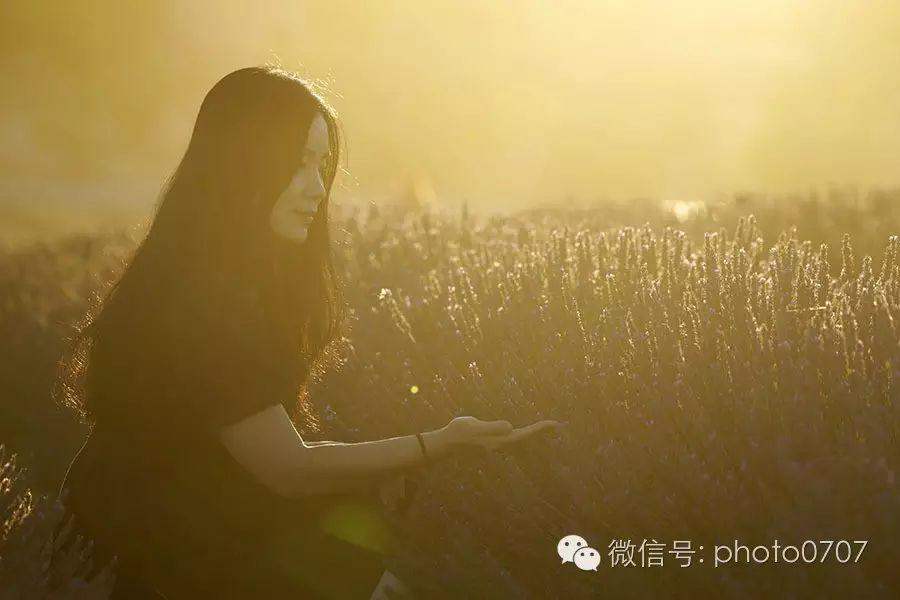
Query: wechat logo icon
point(575, 549)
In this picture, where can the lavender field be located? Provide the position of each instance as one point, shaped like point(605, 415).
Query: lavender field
point(730, 372)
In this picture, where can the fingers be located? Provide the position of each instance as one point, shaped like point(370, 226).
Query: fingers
point(528, 430)
point(504, 427)
point(551, 424)
point(519, 434)
point(496, 427)
point(488, 435)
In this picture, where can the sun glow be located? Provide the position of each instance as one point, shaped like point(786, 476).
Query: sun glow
point(502, 103)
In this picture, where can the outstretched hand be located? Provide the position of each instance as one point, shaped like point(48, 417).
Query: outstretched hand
point(465, 433)
point(495, 441)
point(490, 435)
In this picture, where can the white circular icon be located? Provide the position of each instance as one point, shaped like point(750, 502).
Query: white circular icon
point(568, 545)
point(587, 559)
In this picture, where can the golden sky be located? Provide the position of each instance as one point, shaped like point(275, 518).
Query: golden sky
point(503, 102)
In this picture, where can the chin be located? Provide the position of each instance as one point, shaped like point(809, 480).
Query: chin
point(292, 234)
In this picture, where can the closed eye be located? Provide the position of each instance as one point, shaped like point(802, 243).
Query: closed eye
point(322, 165)
point(323, 162)
point(309, 155)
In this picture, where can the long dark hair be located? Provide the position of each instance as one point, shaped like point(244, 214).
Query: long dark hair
point(211, 292)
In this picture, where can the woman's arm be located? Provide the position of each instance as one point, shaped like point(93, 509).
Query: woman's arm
point(268, 445)
point(391, 488)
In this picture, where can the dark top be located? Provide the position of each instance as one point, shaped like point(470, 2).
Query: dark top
point(186, 519)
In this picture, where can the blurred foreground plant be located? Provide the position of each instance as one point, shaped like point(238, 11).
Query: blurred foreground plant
point(35, 563)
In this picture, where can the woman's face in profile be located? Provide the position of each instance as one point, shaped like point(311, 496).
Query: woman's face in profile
point(294, 210)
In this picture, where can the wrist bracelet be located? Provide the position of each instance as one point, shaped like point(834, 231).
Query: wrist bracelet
point(422, 444)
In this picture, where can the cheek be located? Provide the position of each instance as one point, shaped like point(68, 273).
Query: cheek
point(280, 212)
point(292, 196)
point(298, 183)
point(275, 211)
point(285, 202)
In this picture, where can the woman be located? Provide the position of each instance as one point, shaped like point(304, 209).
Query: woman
point(194, 474)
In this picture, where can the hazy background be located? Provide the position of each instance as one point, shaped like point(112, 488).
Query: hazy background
point(503, 103)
